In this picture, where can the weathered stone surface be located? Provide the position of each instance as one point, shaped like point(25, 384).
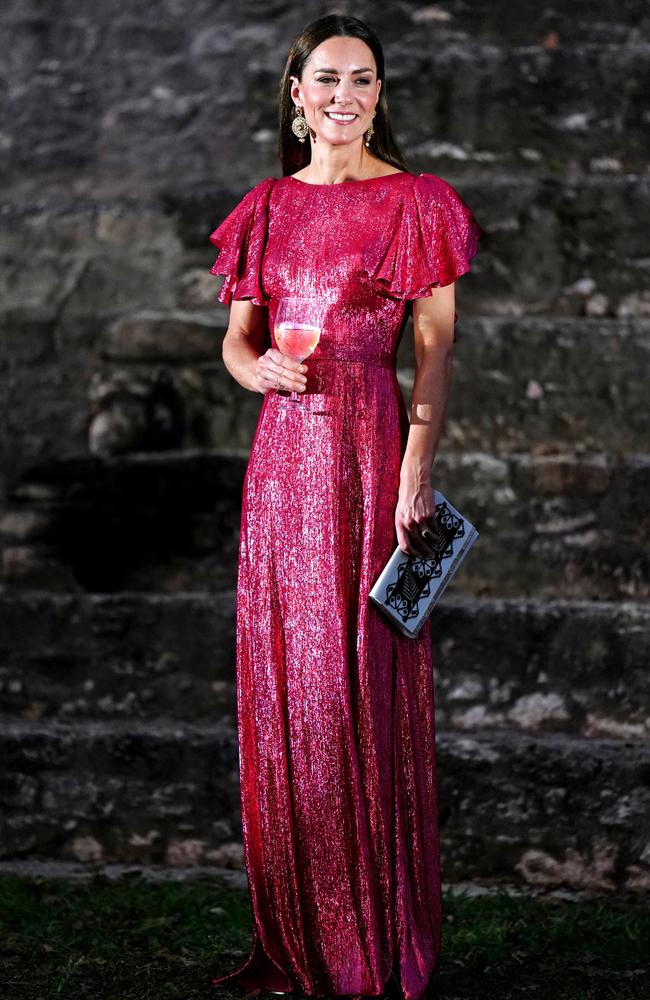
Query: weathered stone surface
point(533, 666)
point(543, 666)
point(555, 526)
point(133, 793)
point(78, 302)
point(566, 525)
point(467, 83)
point(141, 407)
point(109, 344)
point(553, 810)
point(79, 259)
point(80, 871)
point(534, 383)
point(132, 655)
point(68, 272)
point(551, 244)
point(151, 336)
point(544, 383)
point(138, 522)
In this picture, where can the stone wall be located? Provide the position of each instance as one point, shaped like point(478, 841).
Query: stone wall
point(130, 131)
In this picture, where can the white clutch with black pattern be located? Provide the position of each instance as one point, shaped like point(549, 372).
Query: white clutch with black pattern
point(410, 585)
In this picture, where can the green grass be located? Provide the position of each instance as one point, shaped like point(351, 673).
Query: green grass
point(134, 940)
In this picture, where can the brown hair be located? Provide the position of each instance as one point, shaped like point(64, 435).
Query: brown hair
point(294, 154)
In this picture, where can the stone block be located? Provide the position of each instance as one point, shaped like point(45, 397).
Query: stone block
point(500, 664)
point(576, 667)
point(150, 336)
point(118, 656)
point(542, 810)
point(571, 525)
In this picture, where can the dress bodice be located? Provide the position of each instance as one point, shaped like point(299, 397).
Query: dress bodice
point(364, 248)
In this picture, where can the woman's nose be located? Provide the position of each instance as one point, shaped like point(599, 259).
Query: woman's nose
point(342, 94)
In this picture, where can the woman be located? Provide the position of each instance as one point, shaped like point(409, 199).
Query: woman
point(335, 708)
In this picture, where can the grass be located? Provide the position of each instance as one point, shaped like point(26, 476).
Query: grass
point(136, 940)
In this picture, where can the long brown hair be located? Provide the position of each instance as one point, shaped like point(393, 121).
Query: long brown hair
point(294, 154)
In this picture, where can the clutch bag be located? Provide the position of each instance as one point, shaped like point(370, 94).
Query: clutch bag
point(409, 586)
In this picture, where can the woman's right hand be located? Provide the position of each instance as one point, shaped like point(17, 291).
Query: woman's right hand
point(275, 370)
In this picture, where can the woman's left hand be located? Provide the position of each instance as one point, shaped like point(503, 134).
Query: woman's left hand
point(415, 510)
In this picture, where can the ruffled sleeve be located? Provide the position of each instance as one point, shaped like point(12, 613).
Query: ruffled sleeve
point(241, 239)
point(432, 241)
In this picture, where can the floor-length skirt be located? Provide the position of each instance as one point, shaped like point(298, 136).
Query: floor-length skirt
point(335, 709)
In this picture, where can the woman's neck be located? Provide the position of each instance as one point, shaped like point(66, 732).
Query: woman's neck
point(333, 164)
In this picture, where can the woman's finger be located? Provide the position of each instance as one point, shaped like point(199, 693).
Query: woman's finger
point(275, 357)
point(285, 359)
point(288, 380)
point(418, 545)
point(404, 541)
point(427, 529)
point(278, 375)
point(282, 362)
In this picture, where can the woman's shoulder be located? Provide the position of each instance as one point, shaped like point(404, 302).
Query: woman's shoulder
point(434, 193)
point(433, 184)
point(261, 188)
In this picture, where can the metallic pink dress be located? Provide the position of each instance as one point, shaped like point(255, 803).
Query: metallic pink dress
point(336, 720)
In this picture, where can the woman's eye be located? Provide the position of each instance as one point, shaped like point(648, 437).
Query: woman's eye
point(330, 79)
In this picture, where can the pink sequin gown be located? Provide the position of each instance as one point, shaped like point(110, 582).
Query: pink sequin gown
point(336, 709)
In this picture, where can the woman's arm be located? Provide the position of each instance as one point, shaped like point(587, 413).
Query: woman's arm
point(243, 357)
point(433, 326)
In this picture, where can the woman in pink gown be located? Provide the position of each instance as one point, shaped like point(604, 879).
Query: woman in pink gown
point(335, 708)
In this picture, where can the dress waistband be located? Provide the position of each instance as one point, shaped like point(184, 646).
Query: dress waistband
point(355, 357)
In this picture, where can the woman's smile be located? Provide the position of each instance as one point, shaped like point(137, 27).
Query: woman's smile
point(341, 117)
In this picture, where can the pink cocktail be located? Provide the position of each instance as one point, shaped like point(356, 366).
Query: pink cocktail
point(297, 330)
point(297, 340)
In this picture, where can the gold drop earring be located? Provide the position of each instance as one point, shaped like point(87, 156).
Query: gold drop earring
point(299, 125)
point(370, 131)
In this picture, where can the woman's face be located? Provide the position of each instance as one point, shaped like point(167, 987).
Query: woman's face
point(339, 90)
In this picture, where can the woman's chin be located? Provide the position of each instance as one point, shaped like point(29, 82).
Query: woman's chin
point(337, 139)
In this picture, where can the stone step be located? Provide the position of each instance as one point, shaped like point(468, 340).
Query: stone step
point(567, 525)
point(166, 519)
point(544, 383)
point(550, 104)
point(527, 24)
point(117, 656)
point(553, 245)
point(544, 810)
point(551, 78)
point(236, 878)
point(572, 667)
point(518, 383)
point(111, 276)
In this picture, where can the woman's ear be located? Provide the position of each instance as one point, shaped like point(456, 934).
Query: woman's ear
point(295, 89)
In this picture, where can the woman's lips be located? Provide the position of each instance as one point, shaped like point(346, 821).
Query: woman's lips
point(342, 121)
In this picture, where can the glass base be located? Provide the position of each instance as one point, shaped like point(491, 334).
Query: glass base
point(287, 403)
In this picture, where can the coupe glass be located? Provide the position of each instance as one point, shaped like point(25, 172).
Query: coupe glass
point(297, 330)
